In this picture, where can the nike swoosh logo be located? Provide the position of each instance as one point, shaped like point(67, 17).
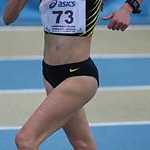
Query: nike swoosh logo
point(73, 70)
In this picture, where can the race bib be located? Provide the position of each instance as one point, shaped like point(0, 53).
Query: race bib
point(65, 16)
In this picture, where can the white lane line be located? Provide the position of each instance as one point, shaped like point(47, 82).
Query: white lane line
point(106, 56)
point(20, 58)
point(124, 88)
point(129, 123)
point(126, 123)
point(21, 28)
point(121, 56)
point(40, 28)
point(130, 28)
point(10, 128)
point(118, 88)
point(21, 91)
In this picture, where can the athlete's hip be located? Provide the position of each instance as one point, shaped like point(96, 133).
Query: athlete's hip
point(58, 73)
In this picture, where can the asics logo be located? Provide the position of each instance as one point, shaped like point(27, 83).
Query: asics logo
point(62, 4)
point(53, 4)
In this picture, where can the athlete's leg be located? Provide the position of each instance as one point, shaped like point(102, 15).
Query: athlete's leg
point(79, 133)
point(57, 109)
point(77, 128)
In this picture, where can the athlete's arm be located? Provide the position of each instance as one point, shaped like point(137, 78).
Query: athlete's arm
point(12, 10)
point(120, 19)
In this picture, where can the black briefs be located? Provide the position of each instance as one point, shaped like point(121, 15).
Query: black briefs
point(56, 74)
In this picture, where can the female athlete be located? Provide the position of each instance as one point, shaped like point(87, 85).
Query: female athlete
point(70, 76)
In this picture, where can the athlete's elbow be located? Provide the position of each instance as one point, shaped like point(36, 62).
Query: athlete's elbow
point(9, 19)
point(6, 21)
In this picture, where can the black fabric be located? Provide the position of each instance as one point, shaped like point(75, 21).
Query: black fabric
point(56, 74)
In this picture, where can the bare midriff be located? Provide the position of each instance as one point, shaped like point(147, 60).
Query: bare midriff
point(60, 49)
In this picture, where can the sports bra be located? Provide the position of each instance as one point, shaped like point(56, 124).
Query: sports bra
point(70, 17)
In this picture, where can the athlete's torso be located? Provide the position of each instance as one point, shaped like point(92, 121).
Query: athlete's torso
point(65, 48)
point(60, 49)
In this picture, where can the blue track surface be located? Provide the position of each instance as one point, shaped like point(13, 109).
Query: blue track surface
point(114, 72)
point(124, 137)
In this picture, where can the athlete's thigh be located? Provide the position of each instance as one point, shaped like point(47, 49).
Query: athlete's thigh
point(77, 128)
point(59, 106)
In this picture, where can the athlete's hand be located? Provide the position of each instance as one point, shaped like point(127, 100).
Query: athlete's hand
point(120, 19)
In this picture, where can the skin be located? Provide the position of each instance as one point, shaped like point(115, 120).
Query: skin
point(64, 105)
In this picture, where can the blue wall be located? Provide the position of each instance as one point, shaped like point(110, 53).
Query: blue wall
point(30, 15)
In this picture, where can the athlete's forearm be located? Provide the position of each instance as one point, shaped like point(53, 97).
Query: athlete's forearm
point(12, 10)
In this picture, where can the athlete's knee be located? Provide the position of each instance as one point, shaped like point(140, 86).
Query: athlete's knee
point(24, 141)
point(83, 145)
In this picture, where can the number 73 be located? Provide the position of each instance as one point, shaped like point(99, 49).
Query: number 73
point(59, 14)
